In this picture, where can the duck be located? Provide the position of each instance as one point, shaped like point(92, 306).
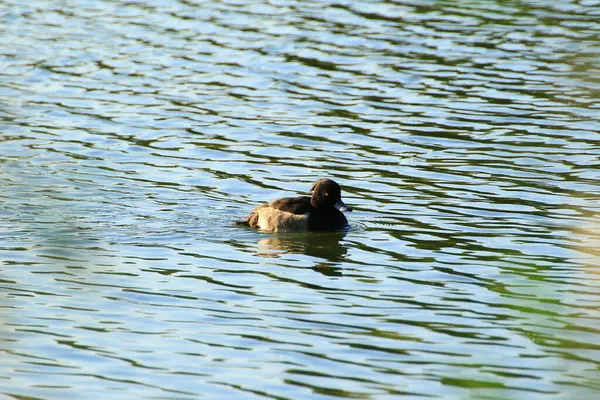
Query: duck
point(321, 211)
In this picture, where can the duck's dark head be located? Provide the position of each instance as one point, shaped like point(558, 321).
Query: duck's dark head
point(327, 193)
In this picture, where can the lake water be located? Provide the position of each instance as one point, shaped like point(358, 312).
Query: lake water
point(465, 135)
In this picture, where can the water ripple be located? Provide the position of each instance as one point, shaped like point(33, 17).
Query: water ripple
point(464, 135)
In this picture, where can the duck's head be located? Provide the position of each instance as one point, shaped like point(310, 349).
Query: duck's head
point(327, 193)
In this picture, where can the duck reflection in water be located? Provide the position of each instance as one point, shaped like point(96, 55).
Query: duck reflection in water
point(320, 245)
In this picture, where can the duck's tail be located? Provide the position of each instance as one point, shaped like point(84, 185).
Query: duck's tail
point(251, 220)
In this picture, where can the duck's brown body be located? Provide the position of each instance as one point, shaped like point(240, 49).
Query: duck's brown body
point(320, 212)
point(274, 217)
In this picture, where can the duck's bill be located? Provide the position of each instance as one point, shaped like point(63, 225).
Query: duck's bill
point(340, 205)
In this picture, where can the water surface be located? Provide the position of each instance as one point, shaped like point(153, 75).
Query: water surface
point(465, 135)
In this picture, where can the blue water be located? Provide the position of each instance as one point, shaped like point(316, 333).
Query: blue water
point(465, 136)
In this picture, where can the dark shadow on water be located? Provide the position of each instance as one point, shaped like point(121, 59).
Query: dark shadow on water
point(321, 245)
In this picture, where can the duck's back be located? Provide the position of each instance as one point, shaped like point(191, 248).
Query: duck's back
point(295, 205)
point(289, 214)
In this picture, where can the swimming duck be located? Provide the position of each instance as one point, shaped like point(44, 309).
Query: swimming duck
point(322, 211)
